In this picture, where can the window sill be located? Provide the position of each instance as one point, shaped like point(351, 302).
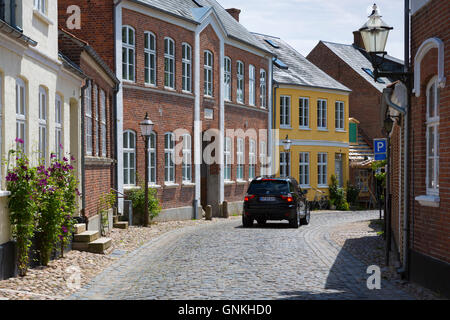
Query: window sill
point(305, 186)
point(188, 184)
point(155, 186)
point(42, 17)
point(241, 181)
point(126, 81)
point(169, 185)
point(286, 127)
point(229, 182)
point(304, 128)
point(169, 89)
point(4, 193)
point(149, 85)
point(322, 186)
point(131, 187)
point(428, 200)
point(322, 129)
point(187, 92)
point(341, 130)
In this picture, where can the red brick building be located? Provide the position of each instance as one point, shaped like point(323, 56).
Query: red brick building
point(98, 166)
point(192, 67)
point(424, 245)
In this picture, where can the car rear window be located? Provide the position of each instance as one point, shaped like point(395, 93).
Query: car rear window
point(268, 187)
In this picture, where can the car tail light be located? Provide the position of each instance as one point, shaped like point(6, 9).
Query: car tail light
point(248, 198)
point(287, 198)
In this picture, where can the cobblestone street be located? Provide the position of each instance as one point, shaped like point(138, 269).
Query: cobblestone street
point(226, 261)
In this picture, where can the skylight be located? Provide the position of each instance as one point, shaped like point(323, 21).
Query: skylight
point(273, 44)
point(370, 73)
point(280, 64)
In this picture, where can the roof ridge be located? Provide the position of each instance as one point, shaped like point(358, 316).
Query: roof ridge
point(265, 35)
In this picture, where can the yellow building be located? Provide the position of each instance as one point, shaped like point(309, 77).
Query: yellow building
point(311, 109)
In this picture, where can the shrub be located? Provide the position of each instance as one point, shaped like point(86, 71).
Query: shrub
point(337, 195)
point(137, 197)
point(352, 193)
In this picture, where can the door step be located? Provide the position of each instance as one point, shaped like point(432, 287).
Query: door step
point(86, 236)
point(121, 225)
point(79, 228)
point(97, 246)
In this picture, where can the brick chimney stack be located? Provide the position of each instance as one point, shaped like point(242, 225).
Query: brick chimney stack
point(234, 13)
point(357, 40)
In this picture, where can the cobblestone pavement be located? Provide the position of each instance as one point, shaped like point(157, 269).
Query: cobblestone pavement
point(226, 261)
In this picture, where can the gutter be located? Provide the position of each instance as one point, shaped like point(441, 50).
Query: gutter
point(15, 33)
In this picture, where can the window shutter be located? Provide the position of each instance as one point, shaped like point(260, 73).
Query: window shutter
point(353, 132)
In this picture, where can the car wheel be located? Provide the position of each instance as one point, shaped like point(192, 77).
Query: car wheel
point(261, 221)
point(305, 220)
point(247, 222)
point(295, 223)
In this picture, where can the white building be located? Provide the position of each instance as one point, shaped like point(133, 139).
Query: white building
point(39, 95)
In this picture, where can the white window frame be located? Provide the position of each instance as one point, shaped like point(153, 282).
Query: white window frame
point(150, 58)
point(240, 160)
point(240, 82)
point(103, 121)
point(187, 159)
point(21, 111)
point(59, 116)
point(322, 169)
point(303, 112)
point(251, 85)
point(43, 132)
point(169, 63)
point(169, 157)
point(208, 62)
point(88, 118)
point(285, 164)
point(41, 6)
point(152, 159)
point(186, 67)
point(322, 114)
point(128, 51)
point(1, 124)
point(96, 119)
point(339, 116)
point(129, 176)
point(263, 88)
point(227, 159)
point(227, 78)
point(285, 111)
point(432, 123)
point(252, 160)
point(304, 169)
point(263, 158)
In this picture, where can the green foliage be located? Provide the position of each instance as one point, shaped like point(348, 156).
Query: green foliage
point(337, 195)
point(42, 203)
point(352, 193)
point(380, 176)
point(22, 206)
point(137, 197)
point(106, 202)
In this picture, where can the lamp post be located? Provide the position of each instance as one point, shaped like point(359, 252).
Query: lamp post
point(287, 143)
point(375, 34)
point(146, 129)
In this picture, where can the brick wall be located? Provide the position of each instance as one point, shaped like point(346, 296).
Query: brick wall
point(430, 227)
point(364, 100)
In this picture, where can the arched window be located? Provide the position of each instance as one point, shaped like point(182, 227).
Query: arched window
point(150, 58)
point(240, 82)
point(187, 67)
point(152, 159)
point(263, 88)
point(129, 158)
point(208, 67)
point(169, 63)
point(21, 104)
point(432, 137)
point(169, 155)
point(251, 85)
point(58, 127)
point(128, 53)
point(227, 78)
point(187, 158)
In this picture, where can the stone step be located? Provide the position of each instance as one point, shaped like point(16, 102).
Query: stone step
point(79, 228)
point(121, 225)
point(86, 236)
point(100, 245)
point(115, 219)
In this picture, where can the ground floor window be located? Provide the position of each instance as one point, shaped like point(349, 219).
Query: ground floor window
point(285, 164)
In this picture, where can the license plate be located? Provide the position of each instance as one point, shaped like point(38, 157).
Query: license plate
point(265, 199)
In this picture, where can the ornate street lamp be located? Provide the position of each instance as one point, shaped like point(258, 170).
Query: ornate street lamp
point(287, 143)
point(146, 130)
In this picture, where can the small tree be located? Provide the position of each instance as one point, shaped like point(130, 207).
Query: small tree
point(137, 197)
point(337, 195)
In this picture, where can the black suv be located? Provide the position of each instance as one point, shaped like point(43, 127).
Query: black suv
point(270, 198)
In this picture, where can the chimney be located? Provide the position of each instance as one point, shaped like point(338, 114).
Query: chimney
point(357, 40)
point(234, 13)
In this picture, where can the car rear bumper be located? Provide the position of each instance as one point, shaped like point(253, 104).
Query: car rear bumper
point(281, 213)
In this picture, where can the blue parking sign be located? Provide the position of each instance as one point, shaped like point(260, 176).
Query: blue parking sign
point(380, 148)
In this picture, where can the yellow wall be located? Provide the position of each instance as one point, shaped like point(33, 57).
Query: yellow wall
point(314, 137)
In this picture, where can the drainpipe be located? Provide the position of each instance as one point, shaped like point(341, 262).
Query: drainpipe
point(116, 147)
point(404, 270)
point(274, 123)
point(83, 172)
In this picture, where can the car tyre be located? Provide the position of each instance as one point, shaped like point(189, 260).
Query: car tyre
point(295, 223)
point(247, 222)
point(305, 221)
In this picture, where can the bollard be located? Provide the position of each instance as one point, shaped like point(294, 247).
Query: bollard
point(225, 213)
point(208, 215)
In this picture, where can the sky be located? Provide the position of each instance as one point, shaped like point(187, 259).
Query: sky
point(302, 23)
